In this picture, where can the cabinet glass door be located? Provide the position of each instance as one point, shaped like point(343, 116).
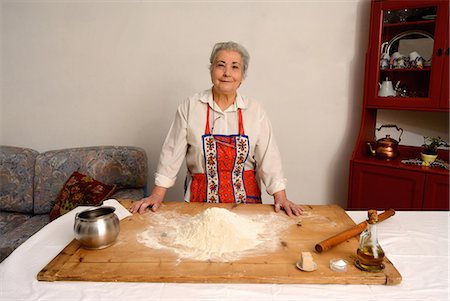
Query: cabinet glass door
point(408, 65)
point(407, 51)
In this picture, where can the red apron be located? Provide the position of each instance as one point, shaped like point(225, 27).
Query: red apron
point(225, 180)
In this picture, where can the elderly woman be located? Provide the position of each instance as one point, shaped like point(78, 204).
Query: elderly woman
point(227, 141)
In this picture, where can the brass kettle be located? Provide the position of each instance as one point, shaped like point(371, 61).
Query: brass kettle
point(387, 147)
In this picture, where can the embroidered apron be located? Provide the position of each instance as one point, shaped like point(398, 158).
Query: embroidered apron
point(225, 180)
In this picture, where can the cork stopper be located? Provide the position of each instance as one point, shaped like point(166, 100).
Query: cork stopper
point(372, 216)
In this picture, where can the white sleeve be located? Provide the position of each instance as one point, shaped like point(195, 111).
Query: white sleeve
point(173, 151)
point(268, 159)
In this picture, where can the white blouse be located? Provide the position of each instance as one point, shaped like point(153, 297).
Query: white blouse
point(184, 140)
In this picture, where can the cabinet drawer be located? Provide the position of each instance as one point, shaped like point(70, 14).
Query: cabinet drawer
point(436, 193)
point(383, 187)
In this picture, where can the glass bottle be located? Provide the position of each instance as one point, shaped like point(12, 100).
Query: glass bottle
point(370, 255)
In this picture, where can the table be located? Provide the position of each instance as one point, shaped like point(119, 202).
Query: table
point(271, 261)
point(416, 242)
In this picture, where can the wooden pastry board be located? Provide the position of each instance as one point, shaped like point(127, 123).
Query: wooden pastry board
point(130, 261)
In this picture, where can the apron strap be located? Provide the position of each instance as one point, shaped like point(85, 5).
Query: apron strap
point(207, 130)
point(241, 123)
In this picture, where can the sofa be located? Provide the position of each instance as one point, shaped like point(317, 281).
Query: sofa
point(30, 182)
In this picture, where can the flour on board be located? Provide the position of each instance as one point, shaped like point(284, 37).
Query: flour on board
point(216, 234)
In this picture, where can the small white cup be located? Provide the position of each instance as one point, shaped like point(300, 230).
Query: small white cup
point(415, 60)
point(413, 55)
point(384, 61)
point(398, 60)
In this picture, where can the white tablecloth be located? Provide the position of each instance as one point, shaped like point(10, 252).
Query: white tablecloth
point(417, 243)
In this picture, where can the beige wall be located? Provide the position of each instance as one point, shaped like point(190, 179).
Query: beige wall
point(112, 73)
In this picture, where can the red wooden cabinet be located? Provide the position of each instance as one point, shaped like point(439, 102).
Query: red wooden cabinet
point(402, 27)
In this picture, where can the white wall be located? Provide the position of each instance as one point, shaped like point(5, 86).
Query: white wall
point(112, 73)
point(415, 125)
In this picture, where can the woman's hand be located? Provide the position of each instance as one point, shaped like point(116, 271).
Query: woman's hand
point(281, 202)
point(153, 201)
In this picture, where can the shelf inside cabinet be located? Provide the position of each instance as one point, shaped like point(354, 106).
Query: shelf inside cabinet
point(413, 24)
point(409, 82)
point(396, 103)
point(426, 69)
point(409, 17)
point(389, 33)
point(406, 152)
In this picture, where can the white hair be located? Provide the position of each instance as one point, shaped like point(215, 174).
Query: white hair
point(233, 46)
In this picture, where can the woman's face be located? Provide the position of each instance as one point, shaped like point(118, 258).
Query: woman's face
point(227, 72)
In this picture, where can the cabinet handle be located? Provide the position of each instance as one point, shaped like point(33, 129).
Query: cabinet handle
point(439, 52)
point(447, 51)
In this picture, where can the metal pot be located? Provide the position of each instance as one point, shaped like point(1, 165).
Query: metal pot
point(386, 148)
point(96, 228)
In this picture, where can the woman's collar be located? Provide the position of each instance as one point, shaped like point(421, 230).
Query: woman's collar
point(207, 97)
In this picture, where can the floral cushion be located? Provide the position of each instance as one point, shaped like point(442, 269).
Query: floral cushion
point(80, 189)
point(124, 166)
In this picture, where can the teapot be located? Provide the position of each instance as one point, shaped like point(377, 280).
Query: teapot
point(386, 148)
point(386, 88)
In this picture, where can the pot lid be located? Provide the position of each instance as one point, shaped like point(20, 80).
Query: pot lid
point(387, 140)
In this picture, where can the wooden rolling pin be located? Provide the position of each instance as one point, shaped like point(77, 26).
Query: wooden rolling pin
point(343, 236)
